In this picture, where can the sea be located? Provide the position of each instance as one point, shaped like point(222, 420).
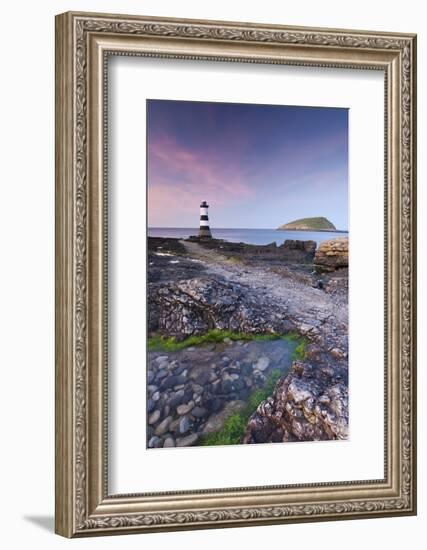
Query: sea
point(248, 236)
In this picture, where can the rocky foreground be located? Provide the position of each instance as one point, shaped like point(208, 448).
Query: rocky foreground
point(197, 286)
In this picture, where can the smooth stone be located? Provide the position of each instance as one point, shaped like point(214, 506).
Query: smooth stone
point(169, 382)
point(202, 378)
point(184, 409)
point(184, 425)
point(150, 376)
point(163, 426)
point(155, 396)
point(197, 388)
point(154, 417)
point(150, 405)
point(199, 412)
point(154, 442)
point(174, 426)
point(262, 363)
point(176, 399)
point(181, 379)
point(169, 442)
point(161, 374)
point(227, 340)
point(161, 359)
point(187, 441)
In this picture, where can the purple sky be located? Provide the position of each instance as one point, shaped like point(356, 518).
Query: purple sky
point(257, 166)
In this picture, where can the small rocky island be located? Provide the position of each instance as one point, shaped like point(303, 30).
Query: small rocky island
point(309, 224)
point(246, 344)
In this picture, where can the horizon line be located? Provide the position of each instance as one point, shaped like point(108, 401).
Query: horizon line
point(196, 228)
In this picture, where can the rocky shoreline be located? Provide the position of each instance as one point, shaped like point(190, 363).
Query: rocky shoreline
point(195, 287)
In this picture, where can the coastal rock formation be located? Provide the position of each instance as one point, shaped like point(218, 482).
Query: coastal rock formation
point(291, 250)
point(309, 224)
point(306, 246)
point(332, 254)
point(309, 404)
point(194, 306)
point(195, 287)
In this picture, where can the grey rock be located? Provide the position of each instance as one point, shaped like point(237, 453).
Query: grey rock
point(150, 405)
point(199, 412)
point(163, 426)
point(184, 425)
point(176, 399)
point(262, 363)
point(187, 441)
point(169, 382)
point(154, 442)
point(169, 442)
point(154, 417)
point(184, 409)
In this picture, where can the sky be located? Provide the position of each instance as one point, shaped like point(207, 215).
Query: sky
point(257, 166)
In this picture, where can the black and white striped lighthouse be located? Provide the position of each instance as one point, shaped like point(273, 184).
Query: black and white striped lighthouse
point(204, 231)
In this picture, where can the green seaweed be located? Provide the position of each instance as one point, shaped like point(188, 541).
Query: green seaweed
point(170, 344)
point(235, 425)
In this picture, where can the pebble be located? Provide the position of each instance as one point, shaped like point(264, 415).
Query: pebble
point(176, 399)
point(150, 405)
point(187, 441)
point(169, 382)
point(163, 426)
point(154, 442)
point(199, 412)
point(262, 363)
point(169, 442)
point(161, 359)
point(150, 376)
point(184, 425)
point(155, 396)
point(162, 374)
point(184, 409)
point(153, 418)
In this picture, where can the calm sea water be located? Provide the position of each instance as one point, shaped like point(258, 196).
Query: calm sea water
point(248, 236)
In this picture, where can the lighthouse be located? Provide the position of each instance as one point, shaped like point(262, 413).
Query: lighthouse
point(204, 230)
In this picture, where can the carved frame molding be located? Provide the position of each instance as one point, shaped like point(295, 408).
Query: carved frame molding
point(83, 42)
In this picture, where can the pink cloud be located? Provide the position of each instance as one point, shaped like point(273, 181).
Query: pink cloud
point(181, 178)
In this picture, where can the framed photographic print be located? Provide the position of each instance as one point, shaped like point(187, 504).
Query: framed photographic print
point(235, 274)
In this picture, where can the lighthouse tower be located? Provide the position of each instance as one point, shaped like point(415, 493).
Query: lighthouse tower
point(204, 231)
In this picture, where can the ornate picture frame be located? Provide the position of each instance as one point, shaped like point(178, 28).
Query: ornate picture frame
point(84, 42)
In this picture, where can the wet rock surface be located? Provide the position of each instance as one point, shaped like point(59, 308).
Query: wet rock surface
point(204, 385)
point(250, 292)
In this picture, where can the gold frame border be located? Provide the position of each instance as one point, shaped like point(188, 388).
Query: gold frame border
point(83, 41)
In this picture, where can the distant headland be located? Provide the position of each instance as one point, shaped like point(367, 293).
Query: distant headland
point(310, 224)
